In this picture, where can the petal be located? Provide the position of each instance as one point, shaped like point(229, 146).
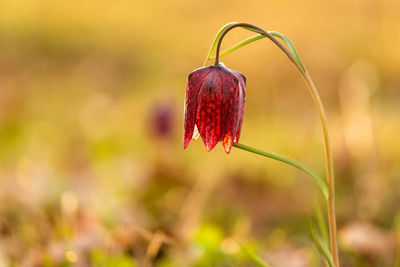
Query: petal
point(242, 101)
point(208, 115)
point(241, 113)
point(231, 103)
point(240, 77)
point(227, 143)
point(193, 86)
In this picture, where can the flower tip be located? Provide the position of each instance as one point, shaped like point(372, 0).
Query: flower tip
point(186, 143)
point(227, 144)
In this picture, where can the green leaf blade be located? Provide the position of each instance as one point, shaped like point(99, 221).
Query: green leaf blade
point(252, 256)
point(319, 244)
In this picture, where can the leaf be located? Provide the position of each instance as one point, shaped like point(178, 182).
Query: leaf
point(290, 45)
point(215, 42)
point(322, 184)
point(252, 256)
point(319, 244)
point(239, 45)
point(323, 230)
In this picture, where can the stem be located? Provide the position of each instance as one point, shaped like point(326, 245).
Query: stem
point(329, 168)
point(292, 162)
point(258, 30)
point(323, 120)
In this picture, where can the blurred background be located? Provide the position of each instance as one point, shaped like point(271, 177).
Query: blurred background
point(92, 168)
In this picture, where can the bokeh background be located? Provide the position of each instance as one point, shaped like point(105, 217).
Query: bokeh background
point(92, 169)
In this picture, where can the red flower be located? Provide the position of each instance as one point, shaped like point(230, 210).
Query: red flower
point(214, 106)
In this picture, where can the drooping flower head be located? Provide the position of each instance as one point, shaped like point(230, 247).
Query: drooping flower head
point(214, 106)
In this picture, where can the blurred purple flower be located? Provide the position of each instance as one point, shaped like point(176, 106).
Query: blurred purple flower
point(162, 119)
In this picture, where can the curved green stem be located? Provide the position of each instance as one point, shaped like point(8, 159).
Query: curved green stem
point(329, 167)
point(252, 28)
point(257, 37)
point(292, 162)
point(295, 59)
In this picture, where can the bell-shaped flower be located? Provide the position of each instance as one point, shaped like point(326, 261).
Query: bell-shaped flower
point(214, 106)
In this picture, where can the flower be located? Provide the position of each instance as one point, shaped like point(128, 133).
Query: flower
point(161, 119)
point(214, 106)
